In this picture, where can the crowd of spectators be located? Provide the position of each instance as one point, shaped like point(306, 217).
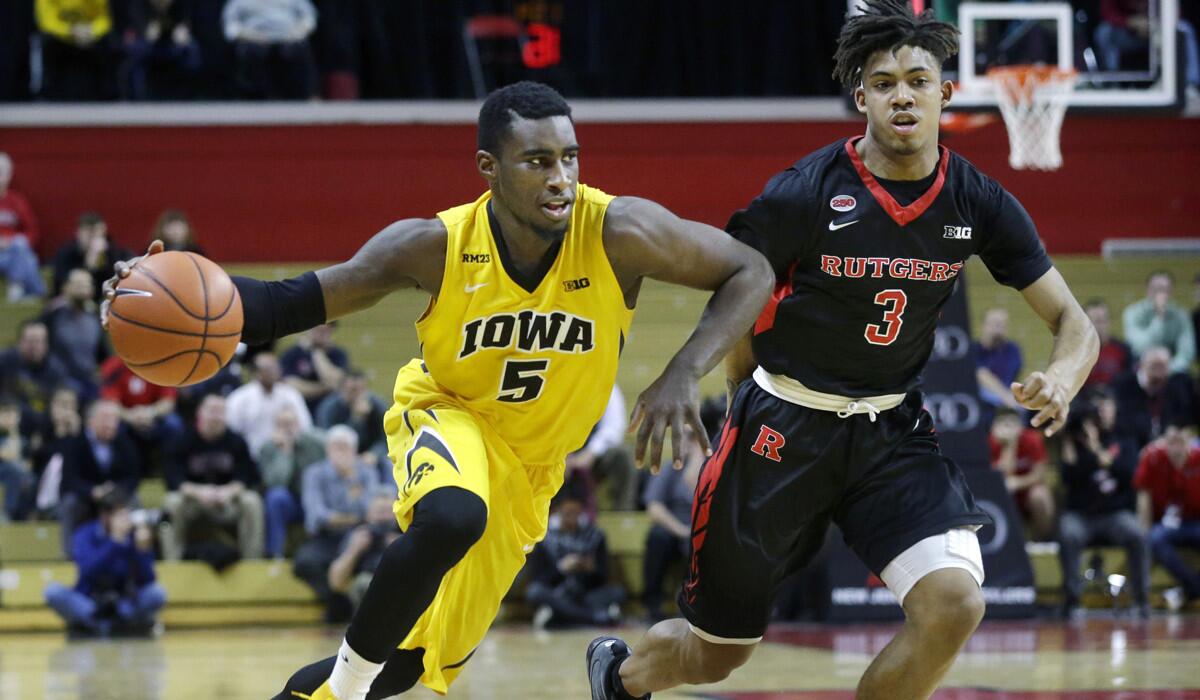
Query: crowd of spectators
point(285, 456)
point(157, 50)
point(1129, 463)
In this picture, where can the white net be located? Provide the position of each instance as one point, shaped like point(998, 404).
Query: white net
point(1033, 102)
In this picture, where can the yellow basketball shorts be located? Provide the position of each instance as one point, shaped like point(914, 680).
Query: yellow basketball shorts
point(434, 443)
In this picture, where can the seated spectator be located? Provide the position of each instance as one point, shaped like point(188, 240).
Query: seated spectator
point(115, 591)
point(162, 59)
point(94, 463)
point(29, 372)
point(75, 335)
point(175, 230)
point(1168, 482)
point(148, 409)
point(77, 53)
point(253, 406)
point(210, 488)
point(998, 361)
point(315, 366)
point(282, 462)
point(15, 472)
point(569, 584)
point(18, 240)
point(92, 250)
point(1115, 356)
point(336, 493)
point(354, 405)
point(360, 550)
point(1020, 454)
point(1124, 27)
point(1196, 309)
point(228, 378)
point(1097, 476)
point(270, 38)
point(669, 495)
point(1156, 321)
point(48, 438)
point(1151, 397)
point(604, 457)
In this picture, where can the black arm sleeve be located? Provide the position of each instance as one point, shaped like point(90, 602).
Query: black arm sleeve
point(777, 222)
point(1011, 248)
point(274, 309)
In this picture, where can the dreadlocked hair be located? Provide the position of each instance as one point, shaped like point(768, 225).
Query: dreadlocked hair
point(887, 25)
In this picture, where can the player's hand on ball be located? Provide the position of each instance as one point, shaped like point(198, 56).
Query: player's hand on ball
point(672, 401)
point(1043, 393)
point(121, 270)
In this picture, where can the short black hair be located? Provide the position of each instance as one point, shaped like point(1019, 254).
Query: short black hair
point(90, 218)
point(525, 99)
point(1095, 302)
point(887, 25)
point(116, 499)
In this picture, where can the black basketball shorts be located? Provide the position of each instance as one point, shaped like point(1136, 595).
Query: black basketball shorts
point(781, 472)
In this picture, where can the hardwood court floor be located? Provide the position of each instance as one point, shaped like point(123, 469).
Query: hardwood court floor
point(1097, 659)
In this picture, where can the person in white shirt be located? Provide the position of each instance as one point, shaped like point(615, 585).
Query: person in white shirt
point(251, 409)
point(604, 457)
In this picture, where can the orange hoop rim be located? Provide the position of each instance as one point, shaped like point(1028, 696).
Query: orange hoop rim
point(1024, 79)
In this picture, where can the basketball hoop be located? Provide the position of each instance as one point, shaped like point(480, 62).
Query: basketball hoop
point(1033, 101)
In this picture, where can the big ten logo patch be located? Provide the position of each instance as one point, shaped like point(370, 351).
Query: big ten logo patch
point(768, 444)
point(573, 285)
point(477, 257)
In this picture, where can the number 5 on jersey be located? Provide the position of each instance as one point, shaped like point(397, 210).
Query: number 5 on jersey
point(893, 301)
point(522, 380)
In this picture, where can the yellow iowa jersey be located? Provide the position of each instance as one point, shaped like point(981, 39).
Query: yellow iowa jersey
point(538, 366)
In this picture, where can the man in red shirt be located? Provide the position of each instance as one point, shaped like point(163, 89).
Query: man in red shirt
point(149, 409)
point(18, 236)
point(1020, 454)
point(1168, 484)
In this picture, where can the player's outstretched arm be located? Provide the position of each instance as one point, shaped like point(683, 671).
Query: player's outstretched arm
point(1076, 346)
point(408, 253)
point(644, 239)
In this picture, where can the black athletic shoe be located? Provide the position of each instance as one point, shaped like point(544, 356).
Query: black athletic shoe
point(603, 655)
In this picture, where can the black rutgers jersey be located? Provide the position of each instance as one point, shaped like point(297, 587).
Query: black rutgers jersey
point(864, 266)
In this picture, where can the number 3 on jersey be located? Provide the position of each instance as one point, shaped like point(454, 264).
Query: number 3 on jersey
point(522, 380)
point(894, 301)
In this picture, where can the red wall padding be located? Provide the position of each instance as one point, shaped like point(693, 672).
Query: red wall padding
point(303, 193)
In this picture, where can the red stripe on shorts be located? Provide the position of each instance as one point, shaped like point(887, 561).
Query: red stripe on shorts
point(702, 503)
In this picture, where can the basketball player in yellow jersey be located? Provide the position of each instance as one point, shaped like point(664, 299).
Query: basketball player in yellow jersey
point(532, 287)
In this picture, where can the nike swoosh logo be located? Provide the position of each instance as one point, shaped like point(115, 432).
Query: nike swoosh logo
point(133, 293)
point(472, 287)
point(834, 226)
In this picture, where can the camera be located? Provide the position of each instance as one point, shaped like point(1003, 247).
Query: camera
point(148, 517)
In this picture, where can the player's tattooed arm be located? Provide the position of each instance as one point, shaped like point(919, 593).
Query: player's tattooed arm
point(1076, 346)
point(409, 253)
point(644, 239)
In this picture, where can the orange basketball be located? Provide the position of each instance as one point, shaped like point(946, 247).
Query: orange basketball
point(176, 319)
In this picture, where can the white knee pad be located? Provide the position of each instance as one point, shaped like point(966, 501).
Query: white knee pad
point(953, 549)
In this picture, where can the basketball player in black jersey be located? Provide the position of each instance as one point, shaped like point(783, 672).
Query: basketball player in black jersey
point(867, 237)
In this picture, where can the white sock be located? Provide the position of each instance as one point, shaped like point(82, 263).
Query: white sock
point(352, 674)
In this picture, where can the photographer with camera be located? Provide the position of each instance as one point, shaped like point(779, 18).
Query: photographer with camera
point(116, 591)
point(1097, 475)
point(95, 462)
point(361, 549)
